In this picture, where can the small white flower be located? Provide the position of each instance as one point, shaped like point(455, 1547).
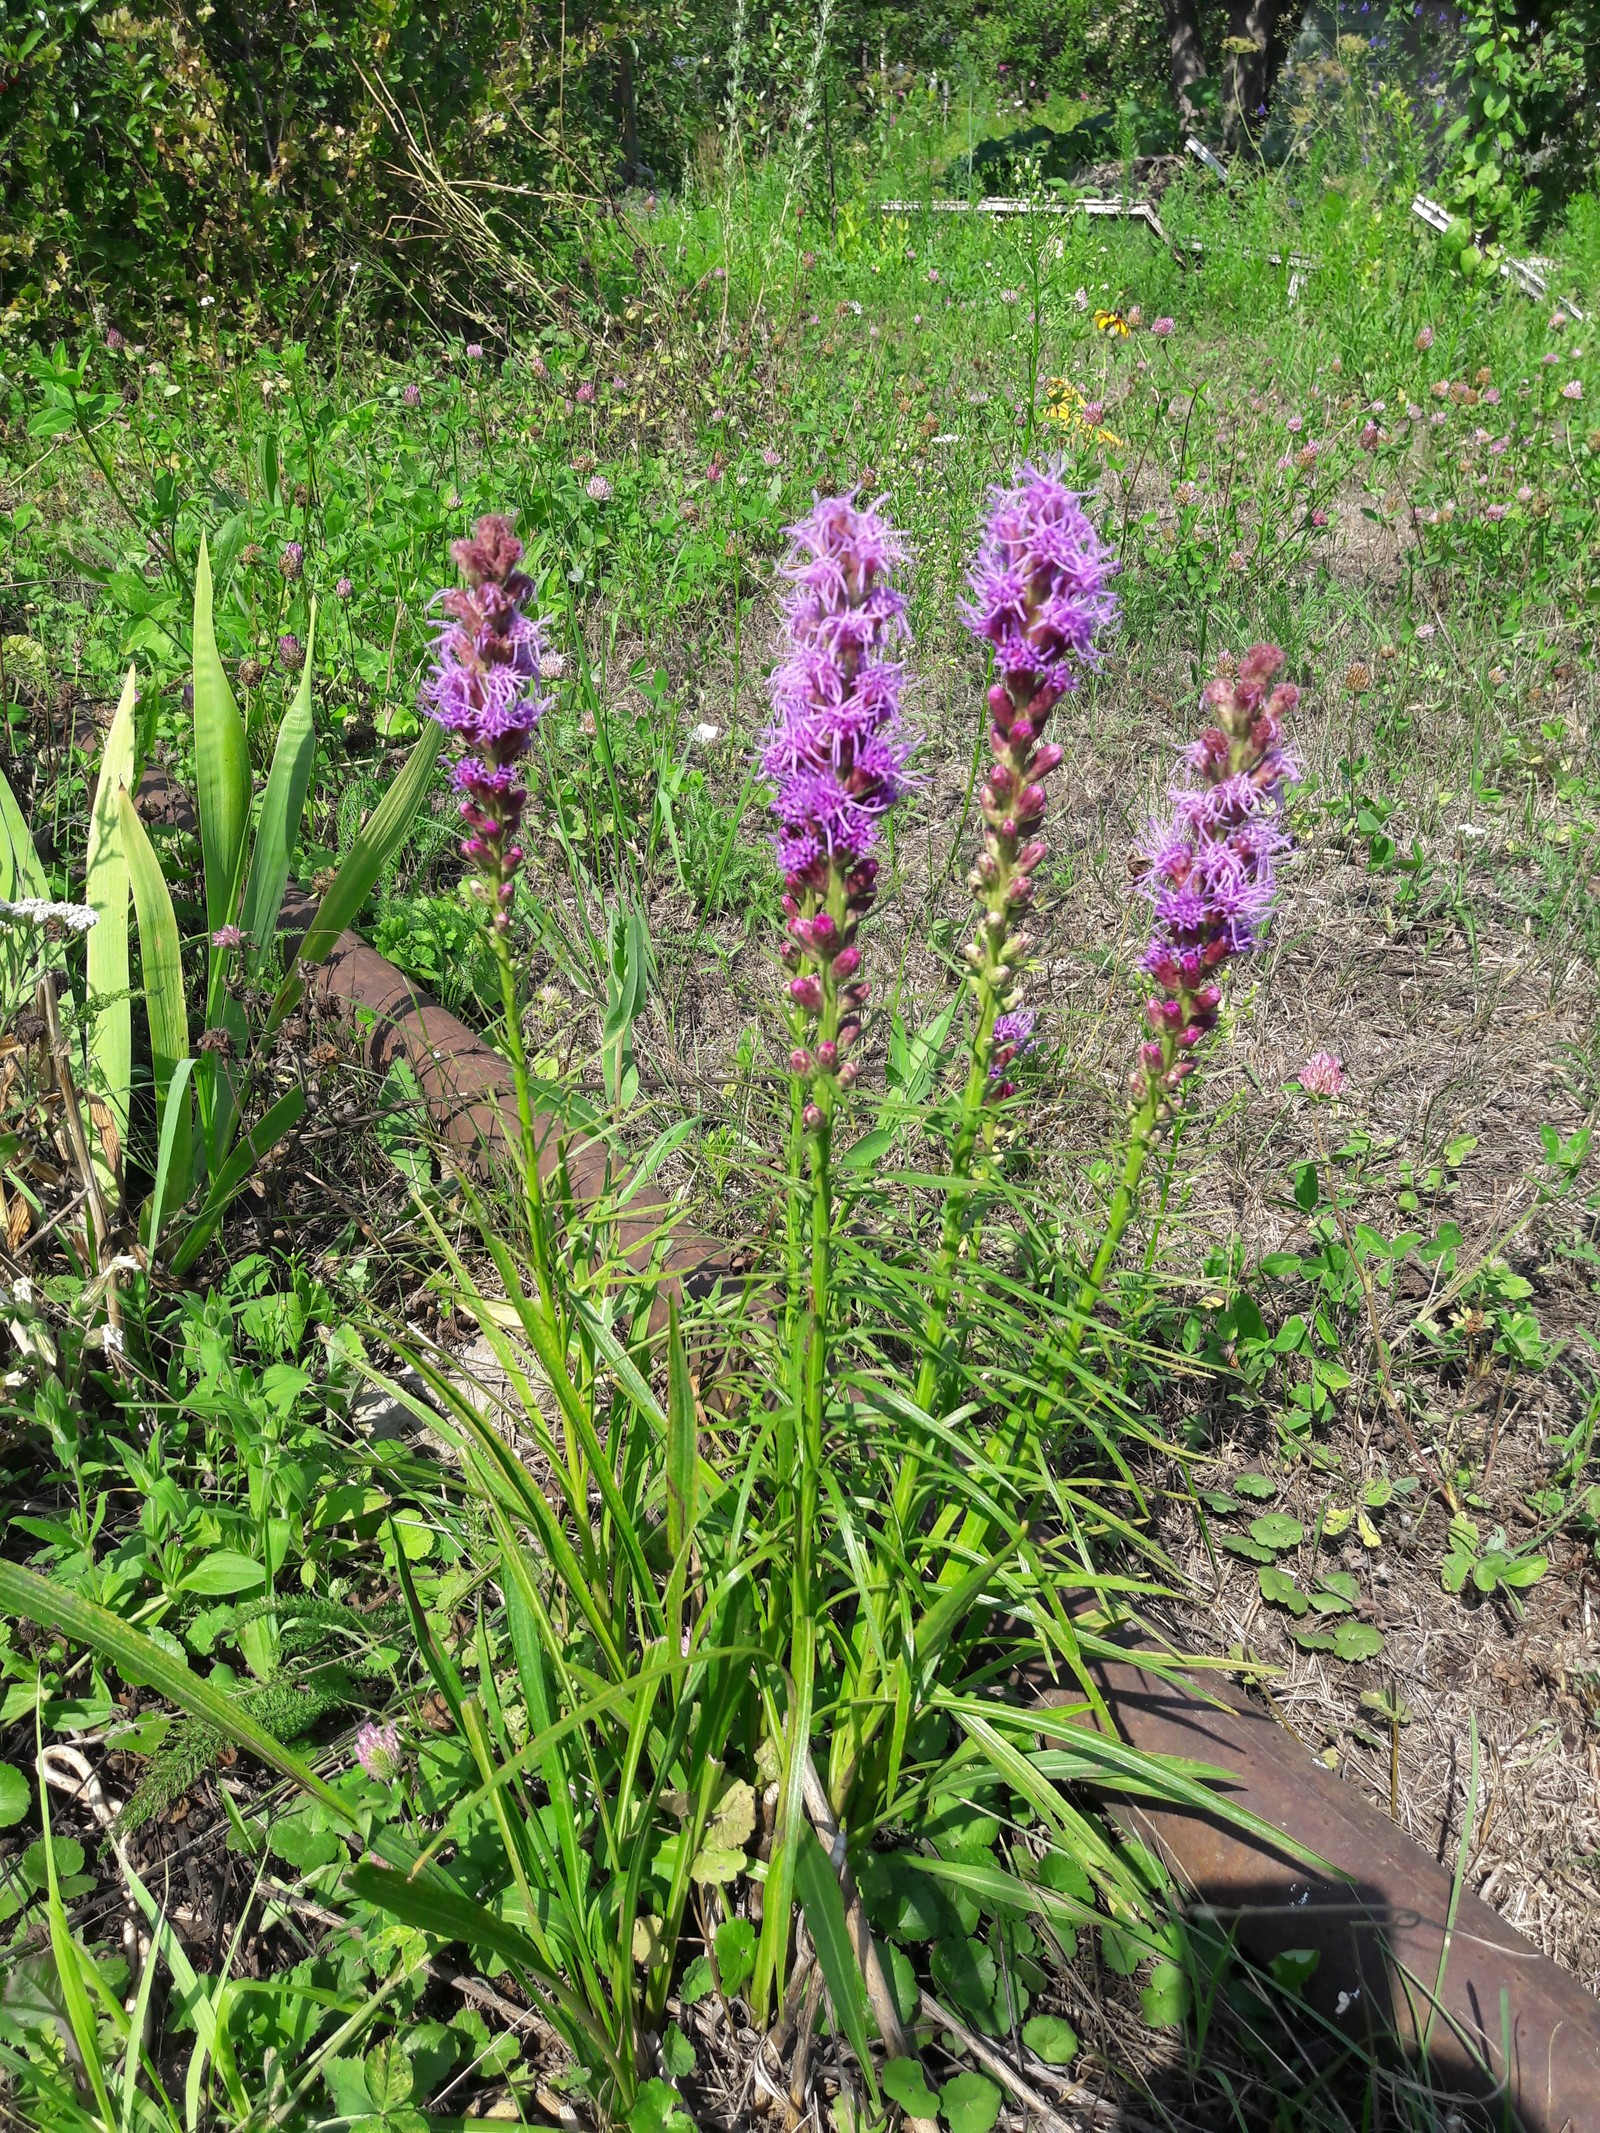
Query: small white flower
point(706, 734)
point(111, 1339)
point(22, 1293)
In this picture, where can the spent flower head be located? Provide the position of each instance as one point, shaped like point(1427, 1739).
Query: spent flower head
point(484, 692)
point(292, 562)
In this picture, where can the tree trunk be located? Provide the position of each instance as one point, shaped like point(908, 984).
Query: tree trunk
point(1186, 58)
point(1252, 23)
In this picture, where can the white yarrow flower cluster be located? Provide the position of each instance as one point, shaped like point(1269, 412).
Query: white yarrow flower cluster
point(37, 911)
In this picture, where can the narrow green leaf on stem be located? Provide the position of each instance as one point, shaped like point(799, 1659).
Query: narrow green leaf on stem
point(221, 763)
point(278, 823)
point(370, 852)
point(105, 891)
point(817, 1885)
point(20, 872)
point(160, 950)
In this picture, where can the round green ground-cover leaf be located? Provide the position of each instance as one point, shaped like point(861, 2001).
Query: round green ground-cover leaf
point(1275, 1529)
point(1260, 1486)
point(970, 2103)
point(16, 1795)
point(697, 1982)
point(1350, 1641)
point(1051, 2039)
point(1281, 1590)
point(658, 2108)
point(736, 1952)
point(1356, 1641)
point(1251, 1551)
point(905, 2081)
point(1165, 1999)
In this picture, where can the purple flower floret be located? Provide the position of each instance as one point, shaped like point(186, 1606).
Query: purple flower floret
point(1208, 867)
point(1012, 1036)
point(836, 754)
point(484, 692)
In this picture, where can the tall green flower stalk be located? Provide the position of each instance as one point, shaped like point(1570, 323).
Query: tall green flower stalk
point(836, 754)
point(1041, 595)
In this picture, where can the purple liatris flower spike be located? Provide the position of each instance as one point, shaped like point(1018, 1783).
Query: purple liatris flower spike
point(836, 753)
point(1208, 866)
point(1041, 594)
point(378, 1751)
point(484, 692)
